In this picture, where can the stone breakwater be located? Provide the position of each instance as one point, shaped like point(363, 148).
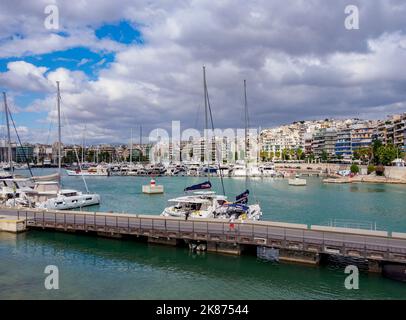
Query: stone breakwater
point(391, 173)
point(365, 178)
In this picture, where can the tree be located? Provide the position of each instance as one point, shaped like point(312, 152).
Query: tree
point(90, 156)
point(310, 156)
point(376, 144)
point(354, 168)
point(386, 154)
point(70, 157)
point(299, 154)
point(324, 155)
point(371, 168)
point(285, 155)
point(292, 153)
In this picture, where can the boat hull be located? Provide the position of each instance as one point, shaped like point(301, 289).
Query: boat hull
point(73, 202)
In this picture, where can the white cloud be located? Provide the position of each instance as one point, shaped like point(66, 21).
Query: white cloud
point(299, 61)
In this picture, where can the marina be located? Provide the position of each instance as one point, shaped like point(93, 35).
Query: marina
point(303, 226)
point(200, 151)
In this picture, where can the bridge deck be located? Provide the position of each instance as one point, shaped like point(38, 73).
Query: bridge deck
point(375, 245)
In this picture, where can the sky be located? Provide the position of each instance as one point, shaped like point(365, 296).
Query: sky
point(122, 64)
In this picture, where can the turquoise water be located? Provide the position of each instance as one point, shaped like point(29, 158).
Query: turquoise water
point(97, 268)
point(317, 203)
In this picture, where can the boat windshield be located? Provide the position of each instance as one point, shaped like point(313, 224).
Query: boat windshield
point(189, 206)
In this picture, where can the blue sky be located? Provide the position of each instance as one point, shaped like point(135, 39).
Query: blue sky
point(78, 58)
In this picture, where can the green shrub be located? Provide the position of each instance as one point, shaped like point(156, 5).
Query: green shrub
point(354, 168)
point(380, 170)
point(371, 168)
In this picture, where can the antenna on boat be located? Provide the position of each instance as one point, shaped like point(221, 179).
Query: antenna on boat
point(10, 160)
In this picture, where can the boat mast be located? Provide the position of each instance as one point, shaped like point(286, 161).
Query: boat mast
point(140, 153)
point(206, 138)
point(59, 132)
point(131, 147)
point(246, 122)
point(10, 160)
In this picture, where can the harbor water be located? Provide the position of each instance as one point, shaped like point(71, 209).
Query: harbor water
point(97, 268)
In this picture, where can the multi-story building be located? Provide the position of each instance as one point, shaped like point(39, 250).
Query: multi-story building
point(308, 142)
point(330, 139)
point(399, 131)
point(362, 134)
point(343, 146)
point(4, 151)
point(24, 153)
point(318, 143)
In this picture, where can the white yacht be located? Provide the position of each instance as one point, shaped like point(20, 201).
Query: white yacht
point(201, 204)
point(193, 169)
point(268, 170)
point(208, 204)
point(48, 195)
point(14, 188)
point(92, 171)
point(224, 170)
point(239, 171)
point(254, 171)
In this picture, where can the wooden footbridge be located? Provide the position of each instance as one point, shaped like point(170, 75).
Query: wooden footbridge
point(292, 242)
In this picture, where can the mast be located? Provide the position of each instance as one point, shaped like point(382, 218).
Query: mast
point(131, 147)
point(83, 145)
point(59, 132)
point(206, 140)
point(140, 153)
point(246, 122)
point(10, 160)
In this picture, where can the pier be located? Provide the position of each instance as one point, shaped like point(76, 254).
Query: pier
point(288, 242)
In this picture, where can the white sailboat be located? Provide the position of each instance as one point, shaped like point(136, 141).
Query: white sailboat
point(208, 204)
point(50, 195)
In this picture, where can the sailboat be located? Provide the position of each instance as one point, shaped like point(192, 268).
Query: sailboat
point(207, 204)
point(49, 194)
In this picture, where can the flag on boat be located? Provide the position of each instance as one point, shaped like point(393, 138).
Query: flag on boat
point(200, 186)
point(243, 197)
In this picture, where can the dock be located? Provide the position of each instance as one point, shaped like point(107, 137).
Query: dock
point(290, 242)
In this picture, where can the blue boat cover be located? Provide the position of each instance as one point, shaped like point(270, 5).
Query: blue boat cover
point(200, 186)
point(243, 197)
